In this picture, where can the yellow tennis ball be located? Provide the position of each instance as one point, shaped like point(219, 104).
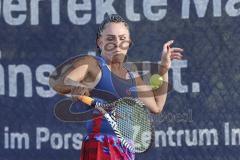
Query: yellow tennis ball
point(156, 81)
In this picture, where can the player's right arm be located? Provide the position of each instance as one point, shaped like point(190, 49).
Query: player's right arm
point(73, 73)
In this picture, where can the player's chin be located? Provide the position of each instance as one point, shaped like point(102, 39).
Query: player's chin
point(118, 58)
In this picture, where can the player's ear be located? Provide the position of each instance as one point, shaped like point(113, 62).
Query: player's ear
point(99, 43)
point(130, 43)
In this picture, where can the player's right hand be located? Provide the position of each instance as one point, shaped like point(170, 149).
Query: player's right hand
point(80, 91)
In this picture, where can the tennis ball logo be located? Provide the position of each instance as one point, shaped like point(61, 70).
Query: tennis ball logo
point(156, 81)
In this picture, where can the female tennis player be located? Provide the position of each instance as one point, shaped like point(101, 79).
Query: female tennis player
point(107, 72)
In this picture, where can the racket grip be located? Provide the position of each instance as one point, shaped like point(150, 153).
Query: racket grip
point(87, 100)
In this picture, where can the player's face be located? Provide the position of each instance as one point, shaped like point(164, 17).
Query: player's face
point(114, 42)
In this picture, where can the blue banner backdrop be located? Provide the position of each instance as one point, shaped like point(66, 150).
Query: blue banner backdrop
point(201, 116)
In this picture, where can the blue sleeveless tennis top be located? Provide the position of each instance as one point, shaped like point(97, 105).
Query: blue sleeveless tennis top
point(115, 85)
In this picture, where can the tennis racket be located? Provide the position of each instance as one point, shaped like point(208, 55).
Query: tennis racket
point(129, 119)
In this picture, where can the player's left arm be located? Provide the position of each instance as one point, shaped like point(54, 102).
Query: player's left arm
point(155, 99)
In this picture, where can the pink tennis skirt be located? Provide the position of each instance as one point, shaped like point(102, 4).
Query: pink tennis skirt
point(104, 147)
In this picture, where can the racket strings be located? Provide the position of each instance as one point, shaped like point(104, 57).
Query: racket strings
point(134, 123)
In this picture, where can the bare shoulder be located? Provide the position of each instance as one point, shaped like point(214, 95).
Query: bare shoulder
point(85, 60)
point(91, 62)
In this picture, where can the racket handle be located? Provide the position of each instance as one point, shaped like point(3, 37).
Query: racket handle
point(87, 100)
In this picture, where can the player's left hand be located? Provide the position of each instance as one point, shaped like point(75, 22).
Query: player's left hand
point(170, 53)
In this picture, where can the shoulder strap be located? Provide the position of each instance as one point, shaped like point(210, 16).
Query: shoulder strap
point(101, 61)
